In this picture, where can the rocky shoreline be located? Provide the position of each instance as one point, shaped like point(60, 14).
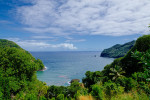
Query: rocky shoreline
point(43, 69)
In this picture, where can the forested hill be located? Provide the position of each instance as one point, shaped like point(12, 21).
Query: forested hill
point(12, 46)
point(5, 43)
point(117, 50)
point(126, 78)
point(18, 72)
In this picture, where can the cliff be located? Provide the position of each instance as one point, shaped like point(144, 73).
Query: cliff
point(117, 50)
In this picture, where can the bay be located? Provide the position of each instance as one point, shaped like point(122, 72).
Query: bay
point(67, 65)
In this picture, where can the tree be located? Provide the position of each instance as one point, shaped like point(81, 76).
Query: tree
point(73, 88)
point(144, 59)
point(17, 72)
point(40, 64)
point(92, 78)
point(116, 72)
point(97, 91)
point(111, 89)
point(60, 97)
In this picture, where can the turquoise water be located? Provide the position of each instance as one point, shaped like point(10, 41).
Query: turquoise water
point(64, 66)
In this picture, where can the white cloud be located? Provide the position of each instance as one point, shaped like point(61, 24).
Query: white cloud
point(65, 45)
point(74, 40)
point(34, 45)
point(42, 37)
point(94, 17)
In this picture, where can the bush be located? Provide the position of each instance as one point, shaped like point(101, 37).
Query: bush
point(40, 64)
point(54, 91)
point(142, 43)
point(145, 87)
point(132, 95)
point(97, 92)
point(111, 89)
point(92, 78)
point(128, 83)
point(144, 58)
point(1, 95)
point(73, 88)
point(60, 97)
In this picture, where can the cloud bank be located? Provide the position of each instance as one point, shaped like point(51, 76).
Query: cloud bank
point(86, 17)
point(35, 45)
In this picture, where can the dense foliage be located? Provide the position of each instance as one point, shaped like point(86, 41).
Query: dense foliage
point(130, 73)
point(117, 50)
point(18, 72)
point(125, 78)
point(5, 43)
point(118, 80)
point(75, 90)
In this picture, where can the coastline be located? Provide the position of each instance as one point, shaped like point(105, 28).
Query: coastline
point(56, 64)
point(45, 68)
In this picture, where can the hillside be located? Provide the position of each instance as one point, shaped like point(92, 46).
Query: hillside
point(124, 75)
point(18, 72)
point(126, 78)
point(5, 43)
point(117, 50)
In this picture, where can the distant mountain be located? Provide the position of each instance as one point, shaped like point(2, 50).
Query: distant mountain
point(117, 50)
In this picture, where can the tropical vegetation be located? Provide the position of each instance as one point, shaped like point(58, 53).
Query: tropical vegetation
point(125, 78)
point(117, 50)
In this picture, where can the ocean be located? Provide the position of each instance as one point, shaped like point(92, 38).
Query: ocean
point(67, 65)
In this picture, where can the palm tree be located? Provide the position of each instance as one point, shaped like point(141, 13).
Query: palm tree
point(116, 72)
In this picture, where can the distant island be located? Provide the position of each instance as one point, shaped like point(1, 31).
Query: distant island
point(117, 50)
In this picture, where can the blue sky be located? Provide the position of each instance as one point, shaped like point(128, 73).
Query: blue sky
point(78, 25)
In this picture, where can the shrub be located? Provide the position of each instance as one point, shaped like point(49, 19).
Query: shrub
point(145, 87)
point(97, 92)
point(54, 91)
point(92, 78)
point(132, 95)
point(128, 83)
point(60, 97)
point(111, 89)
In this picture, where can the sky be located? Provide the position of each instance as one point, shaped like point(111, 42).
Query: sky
point(73, 25)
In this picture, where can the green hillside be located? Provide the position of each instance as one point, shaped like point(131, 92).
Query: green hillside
point(5, 43)
point(124, 75)
point(117, 50)
point(18, 72)
point(126, 78)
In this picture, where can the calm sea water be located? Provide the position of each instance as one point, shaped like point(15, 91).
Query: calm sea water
point(64, 66)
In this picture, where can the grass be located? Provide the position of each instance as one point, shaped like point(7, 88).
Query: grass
point(133, 95)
